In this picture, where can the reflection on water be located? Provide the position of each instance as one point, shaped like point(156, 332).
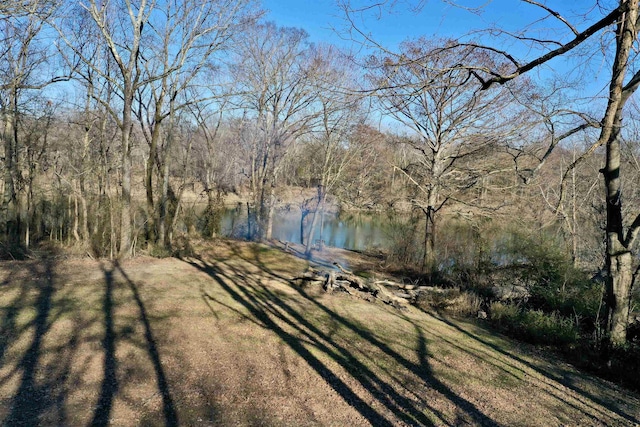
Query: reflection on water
point(348, 231)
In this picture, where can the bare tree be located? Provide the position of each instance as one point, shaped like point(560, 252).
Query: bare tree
point(159, 48)
point(17, 8)
point(189, 38)
point(622, 236)
point(587, 40)
point(275, 74)
point(24, 62)
point(368, 182)
point(119, 28)
point(340, 112)
point(216, 159)
point(451, 124)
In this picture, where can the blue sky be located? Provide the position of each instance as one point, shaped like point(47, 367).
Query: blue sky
point(395, 24)
point(323, 20)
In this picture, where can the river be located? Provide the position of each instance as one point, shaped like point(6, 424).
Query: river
point(346, 230)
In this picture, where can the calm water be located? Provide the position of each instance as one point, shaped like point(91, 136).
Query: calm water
point(348, 231)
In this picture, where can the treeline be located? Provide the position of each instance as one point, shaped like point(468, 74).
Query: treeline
point(111, 112)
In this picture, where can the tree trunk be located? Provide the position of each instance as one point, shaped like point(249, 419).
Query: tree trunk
point(30, 199)
point(76, 217)
point(84, 213)
point(69, 220)
point(270, 213)
point(619, 250)
point(126, 233)
point(164, 196)
point(112, 229)
point(248, 221)
point(261, 212)
point(618, 291)
point(314, 221)
point(191, 230)
point(619, 256)
point(9, 200)
point(148, 181)
point(211, 229)
point(82, 193)
point(8, 196)
point(164, 217)
point(19, 194)
point(429, 261)
point(29, 214)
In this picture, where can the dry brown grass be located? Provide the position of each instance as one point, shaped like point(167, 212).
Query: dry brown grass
point(223, 338)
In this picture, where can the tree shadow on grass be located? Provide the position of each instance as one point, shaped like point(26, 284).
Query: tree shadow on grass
point(112, 337)
point(44, 367)
point(168, 406)
point(422, 370)
point(115, 335)
point(30, 400)
point(49, 329)
point(273, 311)
point(261, 307)
point(257, 298)
point(109, 386)
point(119, 331)
point(563, 377)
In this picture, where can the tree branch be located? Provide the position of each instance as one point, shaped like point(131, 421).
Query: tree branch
point(611, 18)
point(555, 14)
point(632, 233)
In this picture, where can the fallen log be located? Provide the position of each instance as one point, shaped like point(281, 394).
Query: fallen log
point(311, 275)
point(331, 282)
point(370, 290)
point(343, 285)
point(409, 287)
point(402, 286)
point(387, 297)
point(403, 295)
point(334, 282)
point(355, 281)
point(342, 269)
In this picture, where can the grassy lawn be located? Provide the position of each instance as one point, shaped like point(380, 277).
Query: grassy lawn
point(225, 337)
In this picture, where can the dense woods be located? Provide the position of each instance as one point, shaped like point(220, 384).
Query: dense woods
point(125, 125)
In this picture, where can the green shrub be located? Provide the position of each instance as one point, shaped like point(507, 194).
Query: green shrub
point(503, 315)
point(624, 365)
point(159, 251)
point(539, 327)
point(542, 264)
point(534, 326)
point(480, 256)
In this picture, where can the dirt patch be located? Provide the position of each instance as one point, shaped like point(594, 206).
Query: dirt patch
point(223, 338)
